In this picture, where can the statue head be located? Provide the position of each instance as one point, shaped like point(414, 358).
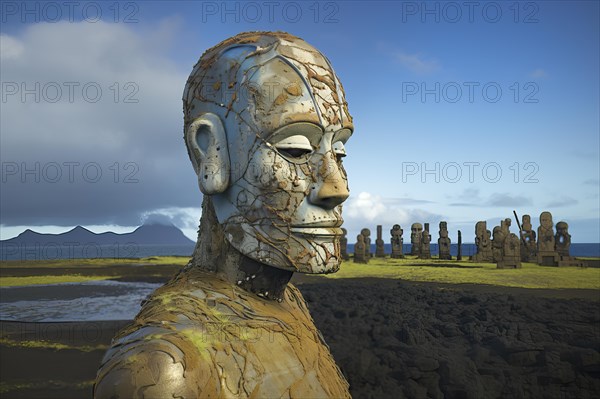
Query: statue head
point(562, 228)
point(497, 233)
point(396, 230)
point(443, 229)
point(480, 228)
point(366, 232)
point(546, 220)
point(526, 224)
point(416, 229)
point(265, 120)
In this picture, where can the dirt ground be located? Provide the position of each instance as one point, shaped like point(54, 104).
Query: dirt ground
point(392, 339)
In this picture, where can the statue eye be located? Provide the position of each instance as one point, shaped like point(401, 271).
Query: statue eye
point(294, 148)
point(294, 152)
point(339, 150)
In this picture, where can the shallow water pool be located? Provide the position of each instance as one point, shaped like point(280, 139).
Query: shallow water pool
point(85, 301)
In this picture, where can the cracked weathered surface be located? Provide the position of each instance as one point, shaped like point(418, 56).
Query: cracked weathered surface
point(199, 336)
point(266, 88)
point(265, 126)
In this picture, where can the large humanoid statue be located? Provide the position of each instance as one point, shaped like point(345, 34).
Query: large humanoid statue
point(483, 243)
point(379, 243)
point(444, 242)
point(397, 241)
point(528, 240)
point(344, 245)
point(367, 235)
point(265, 122)
point(425, 250)
point(416, 235)
point(546, 256)
point(562, 239)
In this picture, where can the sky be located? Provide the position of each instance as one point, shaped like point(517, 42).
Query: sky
point(463, 111)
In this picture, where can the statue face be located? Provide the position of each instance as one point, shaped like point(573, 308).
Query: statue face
point(562, 228)
point(275, 171)
point(546, 219)
point(285, 210)
point(416, 228)
point(480, 228)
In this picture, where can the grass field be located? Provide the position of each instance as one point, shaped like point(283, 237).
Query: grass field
point(464, 272)
point(37, 280)
point(15, 273)
point(96, 262)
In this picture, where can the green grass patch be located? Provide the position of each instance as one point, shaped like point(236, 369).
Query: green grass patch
point(57, 346)
point(38, 280)
point(10, 386)
point(97, 262)
point(465, 272)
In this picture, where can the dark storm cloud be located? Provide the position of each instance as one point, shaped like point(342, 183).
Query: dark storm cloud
point(91, 127)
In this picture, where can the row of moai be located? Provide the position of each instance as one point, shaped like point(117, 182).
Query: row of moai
point(420, 240)
point(508, 250)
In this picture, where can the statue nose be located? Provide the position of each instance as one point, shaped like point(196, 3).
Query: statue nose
point(330, 194)
point(331, 187)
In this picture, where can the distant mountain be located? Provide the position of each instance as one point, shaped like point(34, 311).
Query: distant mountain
point(147, 234)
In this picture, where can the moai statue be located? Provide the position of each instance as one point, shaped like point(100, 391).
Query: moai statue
point(229, 324)
point(505, 225)
point(528, 240)
point(483, 243)
point(511, 253)
point(397, 241)
point(562, 241)
point(367, 235)
point(459, 253)
point(416, 233)
point(344, 245)
point(360, 250)
point(379, 243)
point(546, 255)
point(425, 252)
point(444, 242)
point(498, 238)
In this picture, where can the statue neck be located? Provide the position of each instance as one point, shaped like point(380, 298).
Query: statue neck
point(214, 253)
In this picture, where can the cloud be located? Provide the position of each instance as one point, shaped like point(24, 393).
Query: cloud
point(592, 182)
point(561, 201)
point(10, 48)
point(98, 139)
point(368, 210)
point(462, 204)
point(470, 198)
point(405, 201)
point(187, 219)
point(538, 73)
point(501, 199)
point(416, 62)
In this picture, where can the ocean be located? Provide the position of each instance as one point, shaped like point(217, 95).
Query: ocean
point(91, 250)
point(591, 250)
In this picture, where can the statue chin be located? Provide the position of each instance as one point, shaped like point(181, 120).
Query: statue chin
point(301, 250)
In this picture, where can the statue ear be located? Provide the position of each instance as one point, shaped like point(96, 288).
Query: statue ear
point(207, 141)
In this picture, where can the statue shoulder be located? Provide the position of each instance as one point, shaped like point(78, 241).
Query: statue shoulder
point(146, 365)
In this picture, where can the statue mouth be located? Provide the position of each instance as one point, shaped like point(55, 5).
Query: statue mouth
point(325, 232)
